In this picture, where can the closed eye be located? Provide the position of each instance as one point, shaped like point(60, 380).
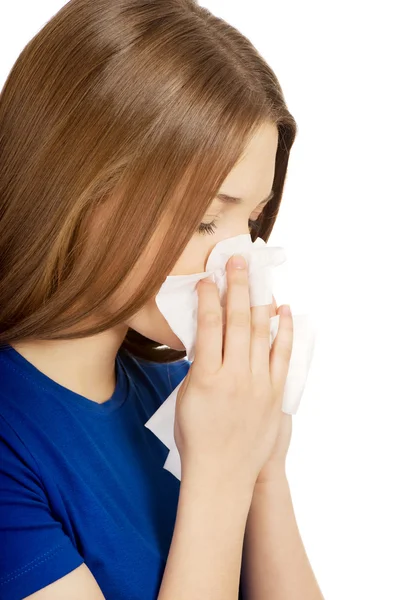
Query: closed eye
point(210, 228)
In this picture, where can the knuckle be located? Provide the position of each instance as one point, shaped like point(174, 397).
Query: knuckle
point(210, 318)
point(239, 385)
point(240, 277)
point(203, 384)
point(231, 386)
point(261, 330)
point(238, 318)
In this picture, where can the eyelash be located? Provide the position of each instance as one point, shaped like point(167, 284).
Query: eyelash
point(207, 228)
point(210, 228)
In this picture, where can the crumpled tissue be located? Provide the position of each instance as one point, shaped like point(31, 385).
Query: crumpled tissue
point(177, 300)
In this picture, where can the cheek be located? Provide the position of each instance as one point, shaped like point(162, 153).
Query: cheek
point(194, 257)
point(149, 321)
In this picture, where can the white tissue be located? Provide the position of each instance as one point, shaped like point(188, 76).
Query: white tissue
point(177, 300)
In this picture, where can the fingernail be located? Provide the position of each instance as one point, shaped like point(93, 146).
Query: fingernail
point(239, 261)
point(286, 309)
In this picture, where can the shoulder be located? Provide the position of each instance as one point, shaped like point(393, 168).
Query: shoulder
point(38, 550)
point(16, 457)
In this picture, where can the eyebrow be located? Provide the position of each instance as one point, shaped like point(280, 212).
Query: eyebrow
point(225, 199)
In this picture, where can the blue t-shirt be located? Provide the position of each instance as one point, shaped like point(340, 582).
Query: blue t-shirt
point(84, 482)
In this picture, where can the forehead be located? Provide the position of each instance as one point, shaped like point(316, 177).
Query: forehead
point(253, 174)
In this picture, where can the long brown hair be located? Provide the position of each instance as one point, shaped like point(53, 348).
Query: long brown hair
point(144, 106)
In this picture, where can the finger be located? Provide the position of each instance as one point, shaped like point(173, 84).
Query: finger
point(260, 339)
point(208, 349)
point(238, 319)
point(281, 350)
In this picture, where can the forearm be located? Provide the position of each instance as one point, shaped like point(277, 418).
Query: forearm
point(275, 565)
point(205, 555)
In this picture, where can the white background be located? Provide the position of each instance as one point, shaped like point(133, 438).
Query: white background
point(338, 64)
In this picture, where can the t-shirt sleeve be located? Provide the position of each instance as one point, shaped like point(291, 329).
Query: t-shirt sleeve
point(34, 550)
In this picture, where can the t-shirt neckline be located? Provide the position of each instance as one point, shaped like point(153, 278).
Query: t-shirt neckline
point(27, 370)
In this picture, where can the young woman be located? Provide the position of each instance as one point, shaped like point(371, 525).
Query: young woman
point(126, 128)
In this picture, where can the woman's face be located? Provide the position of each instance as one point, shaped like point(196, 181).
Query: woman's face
point(251, 179)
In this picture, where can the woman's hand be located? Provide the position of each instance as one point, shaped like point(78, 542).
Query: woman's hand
point(274, 467)
point(228, 409)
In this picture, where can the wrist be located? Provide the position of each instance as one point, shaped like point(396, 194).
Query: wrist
point(277, 481)
point(207, 487)
point(272, 473)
